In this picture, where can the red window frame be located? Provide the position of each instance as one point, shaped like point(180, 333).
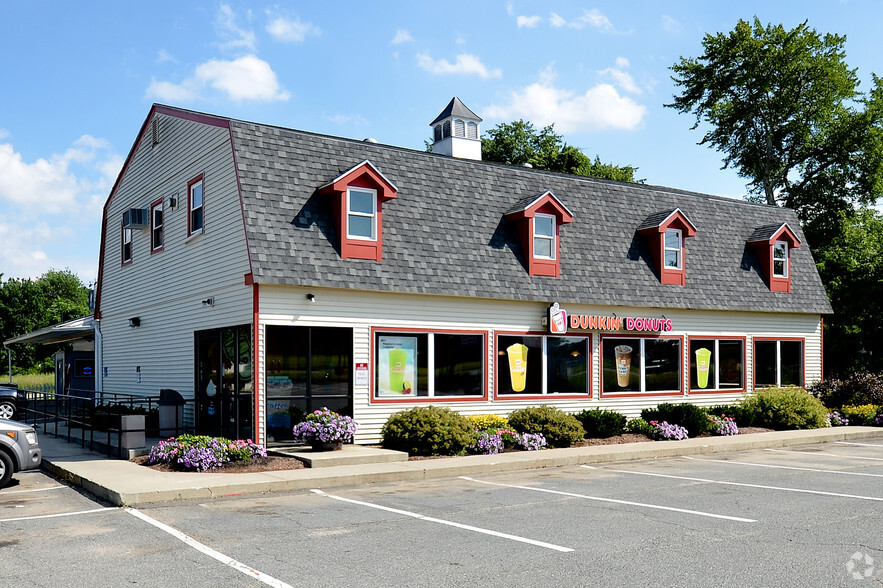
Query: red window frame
point(631, 394)
point(692, 391)
point(372, 396)
point(154, 248)
point(778, 367)
point(547, 395)
point(200, 179)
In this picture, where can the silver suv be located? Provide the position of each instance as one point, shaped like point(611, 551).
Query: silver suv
point(18, 449)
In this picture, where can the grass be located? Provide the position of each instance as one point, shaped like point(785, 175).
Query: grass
point(31, 381)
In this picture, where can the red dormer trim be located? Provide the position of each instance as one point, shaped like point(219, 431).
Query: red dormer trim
point(655, 235)
point(525, 219)
point(364, 175)
point(765, 246)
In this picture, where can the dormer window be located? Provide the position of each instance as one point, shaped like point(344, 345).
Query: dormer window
point(673, 249)
point(773, 245)
point(664, 233)
point(780, 259)
point(538, 219)
point(361, 213)
point(357, 197)
point(544, 233)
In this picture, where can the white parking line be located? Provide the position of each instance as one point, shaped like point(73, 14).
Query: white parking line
point(615, 501)
point(32, 490)
point(862, 444)
point(742, 484)
point(266, 579)
point(781, 467)
point(449, 523)
point(815, 453)
point(61, 514)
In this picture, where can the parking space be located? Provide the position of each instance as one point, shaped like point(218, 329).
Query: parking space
point(786, 517)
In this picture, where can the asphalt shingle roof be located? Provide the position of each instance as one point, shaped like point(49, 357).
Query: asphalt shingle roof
point(446, 234)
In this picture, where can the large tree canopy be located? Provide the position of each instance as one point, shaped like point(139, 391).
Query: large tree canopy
point(519, 142)
point(27, 305)
point(785, 109)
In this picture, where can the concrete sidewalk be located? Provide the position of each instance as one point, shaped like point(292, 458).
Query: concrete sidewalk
point(126, 483)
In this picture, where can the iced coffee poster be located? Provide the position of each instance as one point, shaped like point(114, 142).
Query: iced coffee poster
point(622, 365)
point(396, 366)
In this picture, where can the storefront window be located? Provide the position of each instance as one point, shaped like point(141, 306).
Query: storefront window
point(428, 364)
point(536, 364)
point(778, 363)
point(641, 364)
point(716, 364)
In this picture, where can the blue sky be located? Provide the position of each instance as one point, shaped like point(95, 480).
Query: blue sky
point(78, 80)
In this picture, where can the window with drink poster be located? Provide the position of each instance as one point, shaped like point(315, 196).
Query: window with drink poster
point(396, 366)
point(641, 365)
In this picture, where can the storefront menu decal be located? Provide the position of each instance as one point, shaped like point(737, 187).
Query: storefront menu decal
point(396, 366)
point(560, 320)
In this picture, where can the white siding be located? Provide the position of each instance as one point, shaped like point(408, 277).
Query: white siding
point(165, 289)
point(363, 310)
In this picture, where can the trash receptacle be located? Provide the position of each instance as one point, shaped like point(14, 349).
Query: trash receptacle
point(171, 413)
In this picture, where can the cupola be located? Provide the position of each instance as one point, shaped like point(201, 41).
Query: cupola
point(456, 132)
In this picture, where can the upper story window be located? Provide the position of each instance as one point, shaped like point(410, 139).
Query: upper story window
point(156, 226)
point(773, 245)
point(127, 246)
point(780, 259)
point(357, 196)
point(544, 236)
point(665, 233)
point(196, 206)
point(361, 213)
point(673, 249)
point(538, 219)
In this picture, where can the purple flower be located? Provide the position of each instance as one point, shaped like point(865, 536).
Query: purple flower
point(664, 431)
point(325, 426)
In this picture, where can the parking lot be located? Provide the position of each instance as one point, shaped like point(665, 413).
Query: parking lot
point(804, 516)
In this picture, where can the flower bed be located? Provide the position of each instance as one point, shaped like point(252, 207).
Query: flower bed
point(202, 453)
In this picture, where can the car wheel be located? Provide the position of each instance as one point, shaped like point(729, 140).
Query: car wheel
point(5, 469)
point(7, 409)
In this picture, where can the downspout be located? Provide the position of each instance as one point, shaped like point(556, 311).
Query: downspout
point(9, 355)
point(99, 356)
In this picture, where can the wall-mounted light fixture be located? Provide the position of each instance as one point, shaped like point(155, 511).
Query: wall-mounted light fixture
point(173, 202)
point(311, 298)
point(135, 321)
point(209, 301)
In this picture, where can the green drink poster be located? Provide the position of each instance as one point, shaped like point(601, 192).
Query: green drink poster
point(396, 366)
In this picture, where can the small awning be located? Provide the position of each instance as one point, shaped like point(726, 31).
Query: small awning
point(80, 328)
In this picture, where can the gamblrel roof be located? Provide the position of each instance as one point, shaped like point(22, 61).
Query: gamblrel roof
point(446, 234)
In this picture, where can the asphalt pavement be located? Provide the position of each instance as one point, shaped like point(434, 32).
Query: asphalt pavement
point(122, 482)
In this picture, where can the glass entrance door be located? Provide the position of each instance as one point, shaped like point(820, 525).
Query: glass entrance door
point(224, 383)
point(308, 368)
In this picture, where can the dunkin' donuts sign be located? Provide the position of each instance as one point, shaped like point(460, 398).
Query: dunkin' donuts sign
point(560, 321)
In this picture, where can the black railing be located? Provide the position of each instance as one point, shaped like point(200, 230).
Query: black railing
point(95, 419)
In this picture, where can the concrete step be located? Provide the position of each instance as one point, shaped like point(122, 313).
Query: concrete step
point(347, 455)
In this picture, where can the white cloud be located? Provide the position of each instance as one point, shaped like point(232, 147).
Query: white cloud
point(290, 30)
point(599, 108)
point(466, 65)
point(670, 25)
point(233, 36)
point(592, 18)
point(164, 56)
point(621, 77)
point(246, 78)
point(71, 188)
point(402, 36)
point(529, 22)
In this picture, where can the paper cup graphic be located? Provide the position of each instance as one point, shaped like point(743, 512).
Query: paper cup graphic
point(559, 319)
point(398, 362)
point(623, 364)
point(703, 358)
point(517, 365)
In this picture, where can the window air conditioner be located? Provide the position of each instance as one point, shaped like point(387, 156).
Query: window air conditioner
point(135, 218)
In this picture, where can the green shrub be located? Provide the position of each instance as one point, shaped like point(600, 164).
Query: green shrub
point(639, 426)
point(601, 423)
point(785, 408)
point(487, 422)
point(861, 415)
point(428, 430)
point(691, 417)
point(559, 428)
